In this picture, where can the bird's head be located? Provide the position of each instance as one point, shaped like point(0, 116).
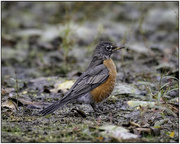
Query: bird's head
point(105, 49)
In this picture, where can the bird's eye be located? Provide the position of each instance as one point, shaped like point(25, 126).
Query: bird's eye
point(109, 48)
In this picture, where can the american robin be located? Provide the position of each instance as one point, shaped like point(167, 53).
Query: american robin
point(95, 84)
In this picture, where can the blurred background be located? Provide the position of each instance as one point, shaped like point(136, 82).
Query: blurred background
point(53, 38)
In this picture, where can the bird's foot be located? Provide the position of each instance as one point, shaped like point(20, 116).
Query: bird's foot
point(98, 110)
point(102, 111)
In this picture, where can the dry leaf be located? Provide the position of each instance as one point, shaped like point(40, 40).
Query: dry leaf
point(172, 134)
point(10, 104)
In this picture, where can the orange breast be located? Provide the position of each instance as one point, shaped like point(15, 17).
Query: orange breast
point(104, 90)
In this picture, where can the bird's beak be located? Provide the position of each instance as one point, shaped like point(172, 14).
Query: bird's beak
point(118, 47)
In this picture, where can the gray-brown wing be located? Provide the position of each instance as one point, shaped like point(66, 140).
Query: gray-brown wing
point(84, 84)
point(87, 82)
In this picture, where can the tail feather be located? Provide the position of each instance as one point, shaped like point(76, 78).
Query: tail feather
point(50, 109)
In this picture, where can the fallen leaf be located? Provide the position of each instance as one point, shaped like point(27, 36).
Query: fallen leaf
point(65, 85)
point(10, 104)
point(119, 133)
point(141, 103)
point(172, 134)
point(28, 103)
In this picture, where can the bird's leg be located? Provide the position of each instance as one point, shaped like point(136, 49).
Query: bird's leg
point(96, 112)
point(97, 109)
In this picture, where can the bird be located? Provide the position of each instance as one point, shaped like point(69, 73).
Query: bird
point(95, 84)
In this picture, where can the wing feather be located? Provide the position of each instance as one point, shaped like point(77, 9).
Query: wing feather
point(87, 82)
